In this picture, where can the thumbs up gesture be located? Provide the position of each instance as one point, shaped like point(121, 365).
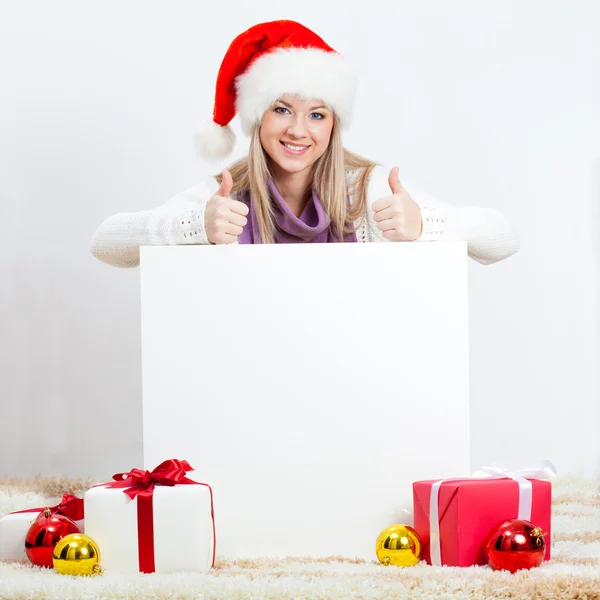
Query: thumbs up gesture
point(224, 218)
point(398, 216)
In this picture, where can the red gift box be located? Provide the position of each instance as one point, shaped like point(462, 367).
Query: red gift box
point(469, 509)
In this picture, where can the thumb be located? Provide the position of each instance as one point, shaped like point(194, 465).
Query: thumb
point(226, 184)
point(394, 181)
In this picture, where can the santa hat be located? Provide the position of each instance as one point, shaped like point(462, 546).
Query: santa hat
point(265, 62)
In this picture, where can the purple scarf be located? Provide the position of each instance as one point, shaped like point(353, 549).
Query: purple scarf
point(312, 226)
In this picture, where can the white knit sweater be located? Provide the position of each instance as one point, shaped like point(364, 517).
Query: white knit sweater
point(117, 241)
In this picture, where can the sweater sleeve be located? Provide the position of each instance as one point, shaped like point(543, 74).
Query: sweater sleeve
point(489, 236)
point(179, 221)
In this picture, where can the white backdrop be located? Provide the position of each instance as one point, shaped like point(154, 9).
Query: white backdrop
point(492, 104)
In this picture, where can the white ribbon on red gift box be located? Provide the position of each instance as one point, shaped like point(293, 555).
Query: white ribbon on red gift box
point(542, 470)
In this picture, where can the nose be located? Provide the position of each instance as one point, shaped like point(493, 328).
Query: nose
point(297, 127)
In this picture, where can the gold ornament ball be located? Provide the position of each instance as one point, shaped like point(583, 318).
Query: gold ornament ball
point(77, 554)
point(398, 545)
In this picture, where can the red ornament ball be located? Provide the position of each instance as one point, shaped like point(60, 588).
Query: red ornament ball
point(45, 532)
point(515, 545)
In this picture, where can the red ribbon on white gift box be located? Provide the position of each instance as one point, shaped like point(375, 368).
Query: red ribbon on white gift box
point(140, 484)
point(70, 506)
point(545, 469)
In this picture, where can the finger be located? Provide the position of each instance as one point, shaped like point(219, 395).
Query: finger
point(385, 214)
point(226, 184)
point(382, 204)
point(394, 181)
point(236, 219)
point(387, 225)
point(238, 207)
point(233, 229)
point(391, 235)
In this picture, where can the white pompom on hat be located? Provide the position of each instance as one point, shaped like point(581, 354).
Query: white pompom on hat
point(265, 62)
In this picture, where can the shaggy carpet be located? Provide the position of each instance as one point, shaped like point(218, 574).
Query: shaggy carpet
point(573, 572)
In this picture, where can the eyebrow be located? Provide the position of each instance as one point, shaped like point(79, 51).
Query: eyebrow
point(290, 106)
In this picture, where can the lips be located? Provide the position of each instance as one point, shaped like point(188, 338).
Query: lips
point(294, 152)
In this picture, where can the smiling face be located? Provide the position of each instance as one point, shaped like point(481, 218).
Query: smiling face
point(295, 133)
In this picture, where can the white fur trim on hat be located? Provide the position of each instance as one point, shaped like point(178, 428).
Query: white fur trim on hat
point(308, 72)
point(214, 142)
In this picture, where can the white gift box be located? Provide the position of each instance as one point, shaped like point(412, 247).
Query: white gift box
point(13, 530)
point(182, 524)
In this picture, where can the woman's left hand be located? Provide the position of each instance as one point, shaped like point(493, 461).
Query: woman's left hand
point(398, 216)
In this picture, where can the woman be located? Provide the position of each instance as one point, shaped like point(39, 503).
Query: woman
point(294, 95)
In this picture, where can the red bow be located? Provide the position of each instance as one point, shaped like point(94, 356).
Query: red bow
point(170, 472)
point(70, 506)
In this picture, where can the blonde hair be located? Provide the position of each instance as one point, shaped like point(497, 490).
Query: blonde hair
point(329, 182)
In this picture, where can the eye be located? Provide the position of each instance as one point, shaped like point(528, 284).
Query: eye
point(317, 116)
point(278, 108)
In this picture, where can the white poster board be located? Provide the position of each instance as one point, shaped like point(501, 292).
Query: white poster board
point(309, 384)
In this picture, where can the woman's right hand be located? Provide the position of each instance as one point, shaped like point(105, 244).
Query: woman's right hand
point(224, 218)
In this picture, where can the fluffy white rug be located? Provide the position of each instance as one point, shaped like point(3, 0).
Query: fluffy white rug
point(574, 571)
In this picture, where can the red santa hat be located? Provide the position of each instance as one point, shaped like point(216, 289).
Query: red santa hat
point(265, 62)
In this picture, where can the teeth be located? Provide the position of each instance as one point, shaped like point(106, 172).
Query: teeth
point(297, 148)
